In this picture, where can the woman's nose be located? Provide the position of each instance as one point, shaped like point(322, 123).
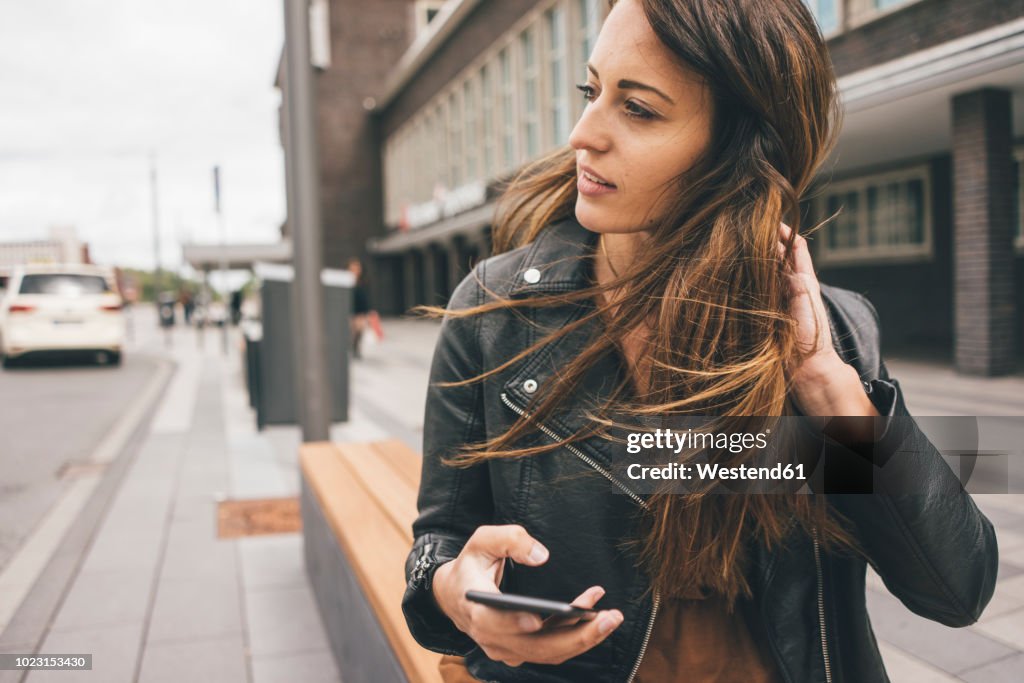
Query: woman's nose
point(589, 131)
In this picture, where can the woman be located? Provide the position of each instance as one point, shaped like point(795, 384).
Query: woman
point(360, 305)
point(648, 272)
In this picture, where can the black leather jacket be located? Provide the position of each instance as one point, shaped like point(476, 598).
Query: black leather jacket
point(934, 550)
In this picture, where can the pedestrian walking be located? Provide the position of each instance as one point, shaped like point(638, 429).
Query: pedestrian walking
point(649, 271)
point(363, 315)
point(187, 304)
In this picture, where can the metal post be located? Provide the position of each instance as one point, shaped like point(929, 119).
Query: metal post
point(157, 271)
point(223, 255)
point(304, 217)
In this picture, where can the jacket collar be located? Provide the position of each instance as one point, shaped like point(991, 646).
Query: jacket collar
point(557, 261)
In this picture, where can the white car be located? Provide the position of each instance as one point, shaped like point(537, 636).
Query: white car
point(62, 308)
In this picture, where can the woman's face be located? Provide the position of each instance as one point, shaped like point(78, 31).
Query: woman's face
point(646, 122)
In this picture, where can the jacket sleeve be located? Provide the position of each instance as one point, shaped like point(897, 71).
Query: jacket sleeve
point(452, 501)
point(921, 530)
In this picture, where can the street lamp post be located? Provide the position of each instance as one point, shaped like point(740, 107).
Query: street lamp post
point(304, 218)
point(223, 253)
point(157, 268)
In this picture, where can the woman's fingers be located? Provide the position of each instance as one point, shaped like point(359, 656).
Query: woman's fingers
point(586, 599)
point(559, 645)
point(490, 623)
point(801, 255)
point(507, 540)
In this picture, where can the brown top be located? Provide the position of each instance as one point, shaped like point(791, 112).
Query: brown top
point(698, 641)
point(693, 641)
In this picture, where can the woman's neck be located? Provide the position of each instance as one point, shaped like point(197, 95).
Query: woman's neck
point(615, 252)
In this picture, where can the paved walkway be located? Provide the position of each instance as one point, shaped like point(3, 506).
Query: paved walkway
point(157, 597)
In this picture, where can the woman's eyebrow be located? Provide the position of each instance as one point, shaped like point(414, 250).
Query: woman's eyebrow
point(626, 84)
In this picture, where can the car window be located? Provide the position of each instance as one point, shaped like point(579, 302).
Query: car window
point(64, 284)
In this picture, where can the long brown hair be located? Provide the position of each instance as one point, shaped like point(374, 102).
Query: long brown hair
point(707, 284)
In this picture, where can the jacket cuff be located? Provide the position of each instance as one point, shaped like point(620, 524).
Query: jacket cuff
point(429, 626)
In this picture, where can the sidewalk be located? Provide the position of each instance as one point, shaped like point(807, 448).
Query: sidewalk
point(158, 597)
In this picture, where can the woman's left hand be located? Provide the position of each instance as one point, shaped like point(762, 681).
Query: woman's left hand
point(822, 384)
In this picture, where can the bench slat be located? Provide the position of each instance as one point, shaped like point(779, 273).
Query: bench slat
point(405, 461)
point(395, 497)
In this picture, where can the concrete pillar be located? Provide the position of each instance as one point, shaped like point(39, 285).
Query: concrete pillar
point(386, 276)
point(456, 262)
point(428, 284)
point(410, 280)
point(984, 299)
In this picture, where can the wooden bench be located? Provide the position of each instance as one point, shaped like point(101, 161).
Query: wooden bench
point(358, 506)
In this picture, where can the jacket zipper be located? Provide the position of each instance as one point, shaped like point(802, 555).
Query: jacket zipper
point(821, 608)
point(640, 501)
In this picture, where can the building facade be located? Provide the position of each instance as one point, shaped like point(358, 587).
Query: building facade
point(62, 246)
point(926, 172)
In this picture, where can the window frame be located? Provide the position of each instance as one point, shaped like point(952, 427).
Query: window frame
point(861, 12)
point(508, 105)
point(488, 131)
point(453, 140)
point(556, 21)
point(877, 253)
point(530, 76)
point(470, 130)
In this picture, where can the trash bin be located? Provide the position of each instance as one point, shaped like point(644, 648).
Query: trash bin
point(252, 332)
point(276, 374)
point(165, 305)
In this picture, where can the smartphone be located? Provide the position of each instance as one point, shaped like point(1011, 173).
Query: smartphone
point(523, 603)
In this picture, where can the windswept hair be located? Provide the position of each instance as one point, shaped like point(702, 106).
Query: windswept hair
point(707, 285)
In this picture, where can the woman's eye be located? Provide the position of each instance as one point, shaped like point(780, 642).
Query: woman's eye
point(588, 91)
point(636, 111)
point(633, 110)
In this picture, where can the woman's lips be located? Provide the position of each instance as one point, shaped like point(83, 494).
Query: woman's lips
point(591, 188)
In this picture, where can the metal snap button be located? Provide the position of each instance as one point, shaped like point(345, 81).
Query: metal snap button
point(530, 386)
point(532, 276)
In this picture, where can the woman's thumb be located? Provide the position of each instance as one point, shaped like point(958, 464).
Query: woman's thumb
point(513, 541)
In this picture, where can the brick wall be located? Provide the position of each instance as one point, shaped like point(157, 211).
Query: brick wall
point(915, 27)
point(983, 201)
point(367, 40)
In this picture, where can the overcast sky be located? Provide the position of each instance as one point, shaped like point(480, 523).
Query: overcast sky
point(88, 87)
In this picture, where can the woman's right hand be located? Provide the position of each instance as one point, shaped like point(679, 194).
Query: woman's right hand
point(507, 636)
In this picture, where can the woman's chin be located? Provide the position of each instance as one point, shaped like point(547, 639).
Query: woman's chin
point(602, 220)
point(590, 217)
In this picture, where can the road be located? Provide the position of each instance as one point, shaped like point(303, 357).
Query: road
point(52, 418)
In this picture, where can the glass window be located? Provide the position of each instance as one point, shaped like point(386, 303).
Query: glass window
point(886, 4)
point(880, 216)
point(588, 21)
point(63, 284)
point(531, 94)
point(487, 119)
point(454, 141)
point(441, 149)
point(558, 93)
point(471, 142)
point(826, 12)
point(843, 232)
point(590, 18)
point(508, 114)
